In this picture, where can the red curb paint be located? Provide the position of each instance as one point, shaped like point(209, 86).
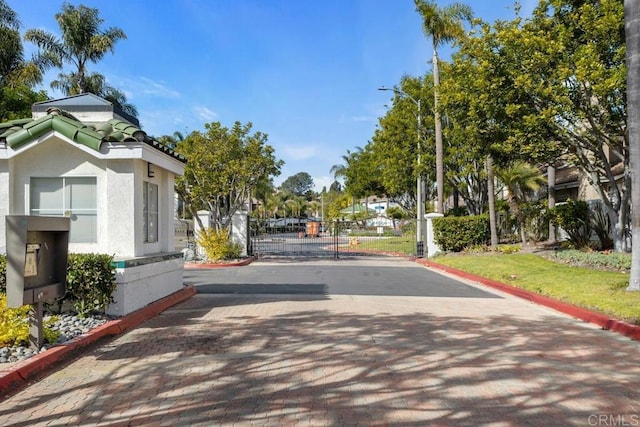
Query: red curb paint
point(10, 380)
point(605, 322)
point(22, 372)
point(224, 265)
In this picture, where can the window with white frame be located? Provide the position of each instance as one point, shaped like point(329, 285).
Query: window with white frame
point(150, 212)
point(75, 197)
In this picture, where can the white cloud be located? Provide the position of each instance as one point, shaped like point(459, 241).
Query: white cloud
point(141, 87)
point(158, 89)
point(204, 113)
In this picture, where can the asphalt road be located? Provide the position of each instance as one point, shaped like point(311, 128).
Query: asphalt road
point(344, 276)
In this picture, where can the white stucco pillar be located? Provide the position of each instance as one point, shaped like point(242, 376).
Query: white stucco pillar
point(240, 230)
point(205, 218)
point(431, 247)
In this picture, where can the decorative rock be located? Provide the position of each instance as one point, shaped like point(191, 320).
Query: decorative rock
point(68, 325)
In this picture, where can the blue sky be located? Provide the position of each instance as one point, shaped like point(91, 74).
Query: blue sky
point(304, 72)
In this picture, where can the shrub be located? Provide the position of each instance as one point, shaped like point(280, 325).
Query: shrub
point(91, 282)
point(601, 224)
point(14, 325)
point(599, 260)
point(456, 233)
point(508, 249)
point(574, 219)
point(217, 245)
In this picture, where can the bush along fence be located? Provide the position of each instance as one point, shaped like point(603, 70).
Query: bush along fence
point(455, 233)
point(91, 282)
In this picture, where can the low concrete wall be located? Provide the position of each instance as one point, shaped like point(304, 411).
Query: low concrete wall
point(144, 280)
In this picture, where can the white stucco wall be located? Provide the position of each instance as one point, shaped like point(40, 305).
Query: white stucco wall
point(139, 286)
point(119, 184)
point(4, 201)
point(57, 158)
point(120, 227)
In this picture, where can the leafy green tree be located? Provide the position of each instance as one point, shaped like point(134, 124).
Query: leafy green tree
point(569, 62)
point(632, 31)
point(299, 184)
point(335, 186)
point(395, 143)
point(16, 101)
point(443, 25)
point(223, 167)
point(340, 171)
point(17, 76)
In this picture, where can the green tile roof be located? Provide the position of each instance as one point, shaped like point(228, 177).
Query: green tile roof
point(17, 133)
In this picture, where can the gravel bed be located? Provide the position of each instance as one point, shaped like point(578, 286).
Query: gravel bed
point(70, 326)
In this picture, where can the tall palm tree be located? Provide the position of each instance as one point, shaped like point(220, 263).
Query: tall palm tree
point(632, 33)
point(82, 41)
point(443, 25)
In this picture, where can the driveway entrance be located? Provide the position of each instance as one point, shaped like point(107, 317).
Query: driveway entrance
point(347, 342)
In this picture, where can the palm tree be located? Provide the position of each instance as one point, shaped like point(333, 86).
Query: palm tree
point(172, 140)
point(14, 69)
point(82, 41)
point(443, 25)
point(520, 179)
point(632, 33)
point(340, 170)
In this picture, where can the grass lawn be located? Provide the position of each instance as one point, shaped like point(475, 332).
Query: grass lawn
point(601, 291)
point(400, 245)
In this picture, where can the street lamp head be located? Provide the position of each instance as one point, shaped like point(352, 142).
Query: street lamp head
point(383, 88)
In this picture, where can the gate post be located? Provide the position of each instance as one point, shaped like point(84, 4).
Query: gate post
point(240, 230)
point(431, 246)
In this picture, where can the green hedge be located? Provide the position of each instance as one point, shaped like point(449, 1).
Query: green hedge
point(455, 233)
point(91, 282)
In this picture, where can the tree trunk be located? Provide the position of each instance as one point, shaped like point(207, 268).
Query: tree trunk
point(491, 196)
point(632, 33)
point(439, 145)
point(551, 181)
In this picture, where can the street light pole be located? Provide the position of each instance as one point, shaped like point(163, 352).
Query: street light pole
point(419, 193)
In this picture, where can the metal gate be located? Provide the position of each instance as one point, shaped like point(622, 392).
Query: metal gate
point(331, 239)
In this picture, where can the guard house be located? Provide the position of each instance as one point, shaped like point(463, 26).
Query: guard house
point(83, 158)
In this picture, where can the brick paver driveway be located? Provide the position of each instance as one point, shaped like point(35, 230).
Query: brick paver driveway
point(258, 348)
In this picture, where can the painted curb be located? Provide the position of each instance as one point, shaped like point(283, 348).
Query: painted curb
point(23, 372)
point(604, 321)
point(189, 266)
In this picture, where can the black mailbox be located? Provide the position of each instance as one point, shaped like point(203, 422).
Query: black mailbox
point(37, 248)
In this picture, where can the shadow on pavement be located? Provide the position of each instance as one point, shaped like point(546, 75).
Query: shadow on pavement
point(327, 368)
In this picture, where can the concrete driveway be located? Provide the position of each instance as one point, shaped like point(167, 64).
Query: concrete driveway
point(346, 342)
